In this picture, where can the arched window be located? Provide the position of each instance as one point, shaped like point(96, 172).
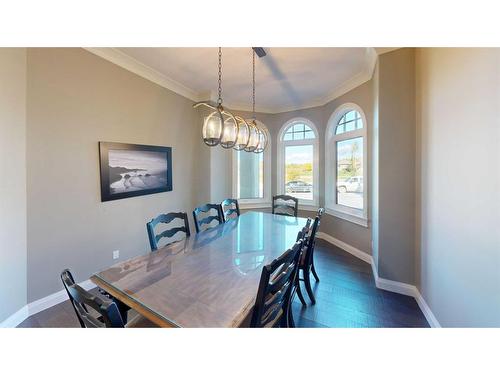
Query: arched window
point(252, 178)
point(298, 161)
point(346, 164)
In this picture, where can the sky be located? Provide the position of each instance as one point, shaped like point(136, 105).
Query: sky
point(299, 154)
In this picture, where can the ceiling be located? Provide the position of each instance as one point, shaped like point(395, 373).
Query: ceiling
point(286, 79)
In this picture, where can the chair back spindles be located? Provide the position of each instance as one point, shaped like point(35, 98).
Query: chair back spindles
point(106, 313)
point(285, 205)
point(168, 233)
point(230, 209)
point(272, 303)
point(205, 215)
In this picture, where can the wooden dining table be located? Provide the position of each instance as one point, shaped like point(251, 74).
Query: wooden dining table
point(206, 280)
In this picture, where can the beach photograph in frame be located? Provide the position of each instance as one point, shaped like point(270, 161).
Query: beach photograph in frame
point(129, 170)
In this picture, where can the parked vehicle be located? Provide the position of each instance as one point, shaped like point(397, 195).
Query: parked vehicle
point(298, 187)
point(352, 184)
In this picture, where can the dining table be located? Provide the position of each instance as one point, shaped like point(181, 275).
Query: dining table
point(209, 279)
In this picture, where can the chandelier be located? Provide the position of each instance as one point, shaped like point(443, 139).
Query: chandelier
point(223, 128)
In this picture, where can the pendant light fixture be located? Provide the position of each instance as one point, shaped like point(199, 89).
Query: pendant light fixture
point(243, 134)
point(258, 134)
point(220, 126)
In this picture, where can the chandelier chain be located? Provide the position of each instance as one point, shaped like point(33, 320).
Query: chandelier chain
point(219, 101)
point(253, 83)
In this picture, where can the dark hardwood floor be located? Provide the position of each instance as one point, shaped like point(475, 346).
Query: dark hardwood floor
point(346, 296)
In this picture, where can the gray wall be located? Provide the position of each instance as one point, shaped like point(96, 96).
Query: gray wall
point(350, 233)
point(396, 166)
point(13, 184)
point(458, 101)
point(76, 99)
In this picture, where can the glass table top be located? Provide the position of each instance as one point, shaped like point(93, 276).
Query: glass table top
point(209, 279)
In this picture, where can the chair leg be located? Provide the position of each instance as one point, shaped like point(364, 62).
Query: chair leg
point(299, 293)
point(314, 273)
point(290, 321)
point(307, 282)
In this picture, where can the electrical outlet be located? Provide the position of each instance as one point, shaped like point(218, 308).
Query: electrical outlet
point(116, 254)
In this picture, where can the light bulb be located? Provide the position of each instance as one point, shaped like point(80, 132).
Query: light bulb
point(212, 128)
point(254, 136)
point(230, 131)
point(243, 134)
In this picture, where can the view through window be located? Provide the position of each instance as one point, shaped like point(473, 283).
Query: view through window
point(298, 152)
point(299, 171)
point(350, 184)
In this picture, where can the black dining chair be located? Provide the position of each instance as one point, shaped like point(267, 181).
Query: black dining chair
point(313, 269)
point(285, 205)
point(168, 233)
point(306, 264)
point(94, 312)
point(204, 216)
point(277, 279)
point(230, 209)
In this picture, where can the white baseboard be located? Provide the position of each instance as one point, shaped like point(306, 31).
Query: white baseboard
point(344, 246)
point(429, 315)
point(385, 284)
point(15, 319)
point(41, 304)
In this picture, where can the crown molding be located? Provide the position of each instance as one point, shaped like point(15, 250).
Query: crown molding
point(127, 62)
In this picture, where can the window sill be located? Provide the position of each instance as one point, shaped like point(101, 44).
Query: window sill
point(356, 219)
point(250, 205)
point(308, 207)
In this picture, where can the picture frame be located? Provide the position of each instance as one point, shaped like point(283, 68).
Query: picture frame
point(131, 170)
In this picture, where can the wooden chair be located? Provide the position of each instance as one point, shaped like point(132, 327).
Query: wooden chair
point(313, 270)
point(306, 264)
point(272, 303)
point(94, 312)
point(168, 233)
point(199, 221)
point(288, 207)
point(230, 209)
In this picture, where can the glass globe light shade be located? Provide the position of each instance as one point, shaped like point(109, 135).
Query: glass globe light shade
point(263, 137)
point(230, 131)
point(254, 136)
point(212, 128)
point(243, 134)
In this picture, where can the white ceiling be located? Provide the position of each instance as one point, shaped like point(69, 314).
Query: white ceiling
point(286, 79)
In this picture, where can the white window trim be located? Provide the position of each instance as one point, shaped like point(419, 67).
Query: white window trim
point(354, 215)
point(304, 204)
point(258, 202)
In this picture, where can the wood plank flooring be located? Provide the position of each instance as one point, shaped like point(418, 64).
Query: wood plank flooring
point(346, 297)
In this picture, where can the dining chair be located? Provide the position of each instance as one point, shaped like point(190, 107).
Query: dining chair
point(204, 216)
point(306, 264)
point(272, 304)
point(94, 312)
point(168, 233)
point(230, 209)
point(285, 205)
point(313, 269)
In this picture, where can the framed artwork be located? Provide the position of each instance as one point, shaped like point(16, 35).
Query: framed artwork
point(129, 170)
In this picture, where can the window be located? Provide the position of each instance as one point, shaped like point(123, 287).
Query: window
point(298, 161)
point(252, 178)
point(345, 159)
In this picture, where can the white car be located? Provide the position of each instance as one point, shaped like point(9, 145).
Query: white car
point(352, 184)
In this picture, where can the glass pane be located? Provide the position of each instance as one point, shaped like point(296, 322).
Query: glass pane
point(350, 173)
point(340, 129)
point(309, 134)
point(299, 171)
point(288, 136)
point(298, 136)
point(298, 128)
point(349, 116)
point(250, 175)
point(350, 126)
